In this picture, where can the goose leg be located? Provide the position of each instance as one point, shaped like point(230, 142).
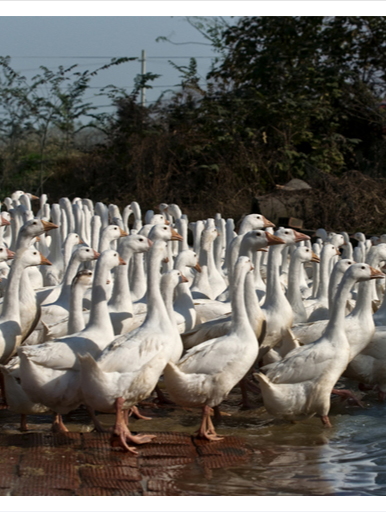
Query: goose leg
point(326, 421)
point(123, 432)
point(57, 424)
point(23, 423)
point(207, 429)
point(161, 398)
point(135, 412)
point(347, 394)
point(97, 425)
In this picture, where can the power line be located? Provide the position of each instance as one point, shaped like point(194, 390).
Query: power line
point(110, 57)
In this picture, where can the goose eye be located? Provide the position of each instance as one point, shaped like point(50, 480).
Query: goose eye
point(307, 250)
point(140, 239)
point(115, 228)
point(87, 250)
point(286, 232)
point(34, 223)
point(115, 255)
point(363, 267)
point(35, 253)
point(164, 228)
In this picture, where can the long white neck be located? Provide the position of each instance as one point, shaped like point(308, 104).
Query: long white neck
point(11, 309)
point(251, 301)
point(294, 295)
point(156, 310)
point(121, 296)
point(273, 277)
point(240, 319)
point(324, 274)
point(99, 313)
point(71, 271)
point(76, 321)
point(336, 323)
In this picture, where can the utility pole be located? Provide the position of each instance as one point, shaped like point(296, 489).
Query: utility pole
point(143, 71)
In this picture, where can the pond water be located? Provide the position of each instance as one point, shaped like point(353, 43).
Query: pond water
point(286, 459)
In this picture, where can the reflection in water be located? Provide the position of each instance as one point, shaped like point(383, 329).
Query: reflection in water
point(286, 459)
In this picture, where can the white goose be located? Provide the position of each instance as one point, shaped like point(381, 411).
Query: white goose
point(207, 373)
point(10, 323)
point(276, 308)
point(252, 241)
point(299, 256)
point(50, 372)
point(300, 385)
point(107, 383)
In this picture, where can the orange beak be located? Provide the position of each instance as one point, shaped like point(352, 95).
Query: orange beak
point(123, 233)
point(96, 254)
point(10, 254)
point(376, 274)
point(337, 252)
point(4, 221)
point(176, 236)
point(299, 236)
point(43, 260)
point(121, 262)
point(80, 240)
point(149, 242)
point(273, 240)
point(315, 258)
point(197, 267)
point(184, 279)
point(267, 223)
point(49, 225)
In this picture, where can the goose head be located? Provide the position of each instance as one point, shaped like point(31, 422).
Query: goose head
point(113, 232)
point(83, 280)
point(136, 242)
point(343, 264)
point(363, 272)
point(290, 236)
point(35, 227)
point(328, 251)
point(32, 257)
point(5, 253)
point(337, 239)
point(208, 236)
point(187, 258)
point(172, 279)
point(164, 232)
point(73, 239)
point(254, 221)
point(84, 254)
point(259, 239)
point(158, 219)
point(110, 259)
point(359, 236)
point(306, 255)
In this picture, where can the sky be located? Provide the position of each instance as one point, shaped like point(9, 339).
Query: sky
point(54, 33)
point(91, 42)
